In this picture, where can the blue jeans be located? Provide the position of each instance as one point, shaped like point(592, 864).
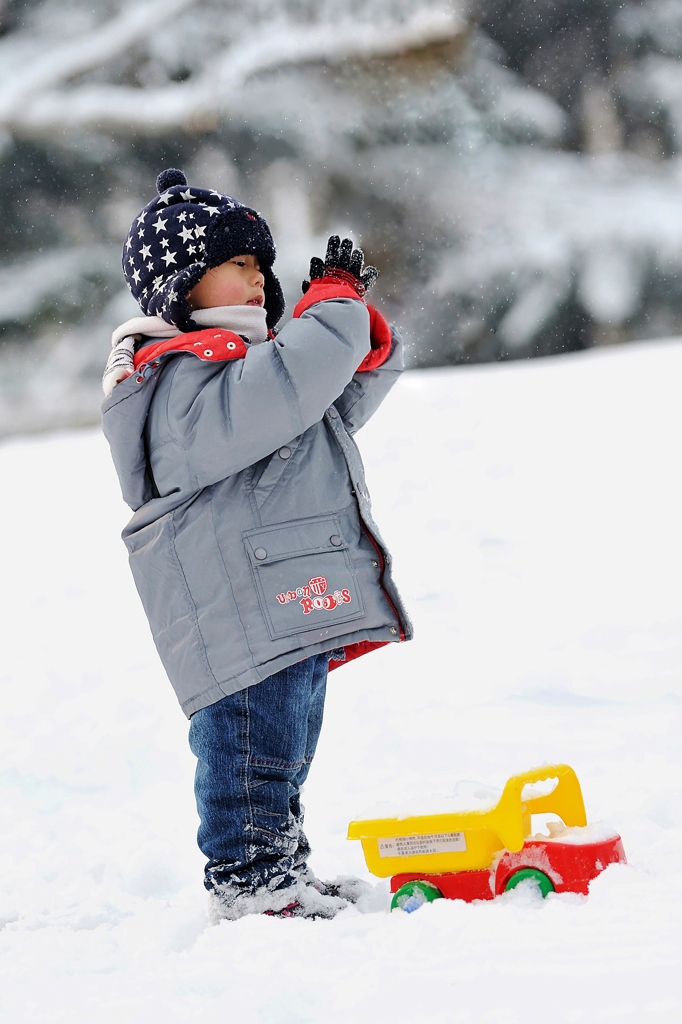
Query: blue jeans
point(254, 750)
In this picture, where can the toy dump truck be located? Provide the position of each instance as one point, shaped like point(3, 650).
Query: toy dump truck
point(479, 854)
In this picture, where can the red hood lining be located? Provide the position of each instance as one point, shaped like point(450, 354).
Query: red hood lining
point(214, 344)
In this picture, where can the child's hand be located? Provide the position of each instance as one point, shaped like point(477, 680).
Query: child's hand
point(342, 260)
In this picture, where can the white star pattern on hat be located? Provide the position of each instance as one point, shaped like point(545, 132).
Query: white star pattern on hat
point(182, 216)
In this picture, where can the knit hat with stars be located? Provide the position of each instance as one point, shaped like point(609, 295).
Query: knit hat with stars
point(183, 233)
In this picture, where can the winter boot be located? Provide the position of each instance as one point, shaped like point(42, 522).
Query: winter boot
point(345, 887)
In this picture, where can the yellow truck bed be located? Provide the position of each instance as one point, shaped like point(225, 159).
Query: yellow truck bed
point(468, 840)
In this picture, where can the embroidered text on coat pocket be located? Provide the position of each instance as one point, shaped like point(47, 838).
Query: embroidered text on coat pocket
point(304, 576)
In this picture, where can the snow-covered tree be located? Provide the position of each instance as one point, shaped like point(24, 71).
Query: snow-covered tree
point(510, 165)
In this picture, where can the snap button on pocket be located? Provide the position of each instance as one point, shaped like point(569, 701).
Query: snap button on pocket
point(284, 452)
point(260, 553)
point(393, 630)
point(335, 540)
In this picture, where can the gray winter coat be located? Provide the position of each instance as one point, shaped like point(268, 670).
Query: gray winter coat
point(252, 544)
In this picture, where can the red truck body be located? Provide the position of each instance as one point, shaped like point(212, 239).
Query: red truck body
point(569, 866)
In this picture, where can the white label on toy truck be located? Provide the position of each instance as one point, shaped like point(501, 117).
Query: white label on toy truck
point(414, 846)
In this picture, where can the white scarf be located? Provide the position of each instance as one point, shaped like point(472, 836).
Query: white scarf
point(246, 320)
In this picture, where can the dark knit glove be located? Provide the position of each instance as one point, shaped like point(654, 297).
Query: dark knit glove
point(344, 262)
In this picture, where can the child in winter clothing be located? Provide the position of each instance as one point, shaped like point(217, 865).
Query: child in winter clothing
point(252, 543)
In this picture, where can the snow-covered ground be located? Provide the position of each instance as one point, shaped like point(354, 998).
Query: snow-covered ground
point(534, 511)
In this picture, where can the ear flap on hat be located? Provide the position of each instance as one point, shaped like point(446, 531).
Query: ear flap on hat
point(274, 299)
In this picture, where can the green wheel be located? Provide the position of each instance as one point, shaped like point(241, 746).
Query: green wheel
point(413, 895)
point(543, 881)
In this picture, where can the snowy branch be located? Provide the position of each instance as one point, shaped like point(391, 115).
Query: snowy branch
point(198, 103)
point(336, 42)
point(83, 54)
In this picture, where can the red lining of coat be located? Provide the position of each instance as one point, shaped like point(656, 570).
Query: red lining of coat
point(354, 651)
point(381, 341)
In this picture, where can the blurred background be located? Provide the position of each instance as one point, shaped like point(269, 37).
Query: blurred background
point(511, 166)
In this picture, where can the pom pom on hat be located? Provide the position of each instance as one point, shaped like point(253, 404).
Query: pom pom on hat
point(168, 178)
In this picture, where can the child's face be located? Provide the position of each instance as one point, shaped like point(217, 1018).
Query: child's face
point(238, 282)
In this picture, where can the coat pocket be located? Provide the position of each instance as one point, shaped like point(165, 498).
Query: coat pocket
point(304, 576)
